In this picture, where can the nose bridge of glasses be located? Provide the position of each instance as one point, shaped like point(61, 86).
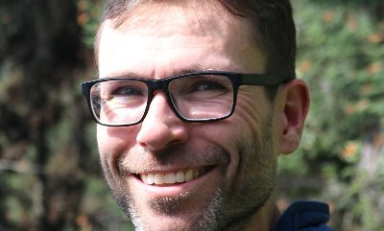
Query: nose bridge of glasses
point(162, 85)
point(158, 85)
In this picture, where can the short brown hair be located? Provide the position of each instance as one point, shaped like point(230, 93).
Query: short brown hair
point(273, 28)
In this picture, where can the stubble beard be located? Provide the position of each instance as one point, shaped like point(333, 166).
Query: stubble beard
point(208, 220)
point(227, 210)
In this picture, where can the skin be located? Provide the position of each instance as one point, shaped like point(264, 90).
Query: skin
point(237, 156)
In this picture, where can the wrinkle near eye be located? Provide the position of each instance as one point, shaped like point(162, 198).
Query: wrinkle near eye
point(250, 104)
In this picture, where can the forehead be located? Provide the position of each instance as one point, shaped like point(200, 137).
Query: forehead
point(157, 33)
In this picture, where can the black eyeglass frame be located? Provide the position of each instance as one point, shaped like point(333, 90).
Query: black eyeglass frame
point(237, 79)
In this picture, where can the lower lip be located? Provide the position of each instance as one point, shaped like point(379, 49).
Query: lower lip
point(169, 190)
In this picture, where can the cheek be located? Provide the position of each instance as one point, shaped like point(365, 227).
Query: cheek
point(235, 133)
point(102, 138)
point(112, 140)
point(250, 113)
point(114, 144)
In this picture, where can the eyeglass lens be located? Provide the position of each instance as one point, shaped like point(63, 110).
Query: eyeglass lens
point(201, 97)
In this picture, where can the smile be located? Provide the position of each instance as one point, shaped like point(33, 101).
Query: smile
point(171, 178)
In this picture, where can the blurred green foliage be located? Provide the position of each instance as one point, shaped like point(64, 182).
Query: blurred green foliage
point(340, 161)
point(341, 57)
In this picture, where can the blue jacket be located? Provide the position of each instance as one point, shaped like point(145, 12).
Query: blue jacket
point(304, 216)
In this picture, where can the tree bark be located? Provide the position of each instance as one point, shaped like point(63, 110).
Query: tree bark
point(40, 52)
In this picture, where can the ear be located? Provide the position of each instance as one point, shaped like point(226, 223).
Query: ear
point(295, 105)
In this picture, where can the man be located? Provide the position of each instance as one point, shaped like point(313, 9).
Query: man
point(195, 102)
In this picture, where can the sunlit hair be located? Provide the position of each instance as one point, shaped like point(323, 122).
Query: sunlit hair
point(272, 24)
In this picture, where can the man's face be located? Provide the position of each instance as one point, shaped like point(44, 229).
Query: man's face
point(220, 172)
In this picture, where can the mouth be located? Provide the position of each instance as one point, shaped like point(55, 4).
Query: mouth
point(172, 177)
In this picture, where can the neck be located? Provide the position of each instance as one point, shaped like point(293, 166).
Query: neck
point(264, 220)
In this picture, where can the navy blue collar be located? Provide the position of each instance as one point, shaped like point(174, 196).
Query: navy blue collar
point(305, 216)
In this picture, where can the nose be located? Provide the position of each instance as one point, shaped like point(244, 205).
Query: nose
point(161, 127)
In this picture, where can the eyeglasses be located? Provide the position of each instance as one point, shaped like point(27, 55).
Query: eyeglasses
point(196, 97)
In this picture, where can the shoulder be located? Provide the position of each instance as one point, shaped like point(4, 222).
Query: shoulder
point(305, 216)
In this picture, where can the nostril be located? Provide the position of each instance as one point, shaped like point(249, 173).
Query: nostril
point(142, 144)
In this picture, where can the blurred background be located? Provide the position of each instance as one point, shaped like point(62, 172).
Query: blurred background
point(50, 177)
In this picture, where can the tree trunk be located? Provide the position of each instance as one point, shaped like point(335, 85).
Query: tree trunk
point(40, 54)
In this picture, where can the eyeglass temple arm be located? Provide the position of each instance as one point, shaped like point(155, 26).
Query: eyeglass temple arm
point(262, 79)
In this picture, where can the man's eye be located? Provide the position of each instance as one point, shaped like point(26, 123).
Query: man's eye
point(125, 97)
point(127, 91)
point(208, 86)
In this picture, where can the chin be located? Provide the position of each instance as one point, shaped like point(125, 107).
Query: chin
point(187, 222)
point(176, 214)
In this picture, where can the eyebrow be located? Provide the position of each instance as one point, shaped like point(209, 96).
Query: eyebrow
point(193, 69)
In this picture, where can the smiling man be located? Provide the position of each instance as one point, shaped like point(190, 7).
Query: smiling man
point(196, 101)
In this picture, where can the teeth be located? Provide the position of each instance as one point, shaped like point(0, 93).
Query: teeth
point(189, 175)
point(159, 178)
point(151, 178)
point(170, 177)
point(180, 177)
